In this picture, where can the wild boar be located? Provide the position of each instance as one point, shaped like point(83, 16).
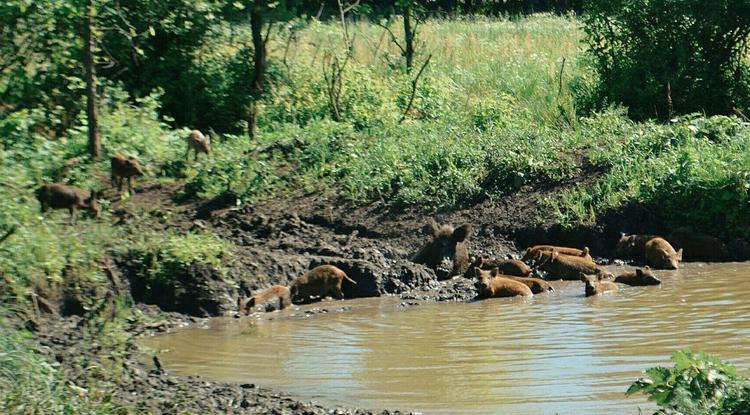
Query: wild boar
point(660, 254)
point(633, 246)
point(122, 168)
point(698, 246)
point(446, 252)
point(60, 196)
point(319, 282)
point(640, 277)
point(568, 267)
point(596, 286)
point(508, 266)
point(490, 284)
point(199, 143)
point(274, 297)
point(536, 252)
point(537, 285)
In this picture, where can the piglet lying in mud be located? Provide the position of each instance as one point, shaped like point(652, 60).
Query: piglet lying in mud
point(640, 277)
point(121, 169)
point(491, 284)
point(568, 267)
point(276, 297)
point(199, 143)
point(60, 196)
point(446, 252)
point(319, 282)
point(537, 252)
point(699, 246)
point(508, 266)
point(596, 286)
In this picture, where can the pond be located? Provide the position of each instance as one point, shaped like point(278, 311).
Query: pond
point(556, 353)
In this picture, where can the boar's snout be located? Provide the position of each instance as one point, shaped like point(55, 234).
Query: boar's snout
point(444, 268)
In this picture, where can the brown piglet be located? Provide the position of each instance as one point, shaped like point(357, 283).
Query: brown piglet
point(568, 267)
point(319, 282)
point(274, 297)
point(121, 169)
point(660, 254)
point(639, 277)
point(491, 284)
point(60, 196)
point(199, 143)
point(596, 286)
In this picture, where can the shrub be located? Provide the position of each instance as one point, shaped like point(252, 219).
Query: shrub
point(664, 57)
point(698, 384)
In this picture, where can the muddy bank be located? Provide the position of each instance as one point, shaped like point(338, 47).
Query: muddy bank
point(148, 387)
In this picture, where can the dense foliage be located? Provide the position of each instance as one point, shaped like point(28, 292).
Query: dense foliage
point(665, 57)
point(698, 384)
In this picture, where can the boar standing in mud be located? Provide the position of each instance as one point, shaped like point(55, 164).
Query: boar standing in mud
point(640, 277)
point(596, 286)
point(319, 282)
point(121, 169)
point(633, 246)
point(537, 252)
point(698, 246)
point(508, 266)
point(490, 284)
point(199, 143)
point(568, 267)
point(276, 297)
point(60, 196)
point(446, 253)
point(660, 254)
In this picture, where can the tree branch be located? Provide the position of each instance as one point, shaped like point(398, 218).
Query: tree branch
point(394, 39)
point(7, 235)
point(414, 89)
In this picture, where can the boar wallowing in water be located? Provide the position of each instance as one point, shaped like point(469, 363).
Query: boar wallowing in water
point(446, 252)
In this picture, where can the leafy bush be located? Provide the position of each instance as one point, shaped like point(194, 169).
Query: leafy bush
point(698, 384)
point(666, 57)
point(688, 172)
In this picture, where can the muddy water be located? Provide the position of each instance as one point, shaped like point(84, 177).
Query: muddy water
point(554, 353)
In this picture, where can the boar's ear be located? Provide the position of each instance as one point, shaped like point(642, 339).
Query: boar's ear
point(582, 277)
point(477, 272)
point(639, 272)
point(599, 277)
point(679, 254)
point(585, 251)
point(431, 228)
point(461, 233)
point(495, 272)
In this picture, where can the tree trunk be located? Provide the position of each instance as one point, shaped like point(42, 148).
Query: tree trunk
point(259, 64)
point(92, 115)
point(408, 39)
